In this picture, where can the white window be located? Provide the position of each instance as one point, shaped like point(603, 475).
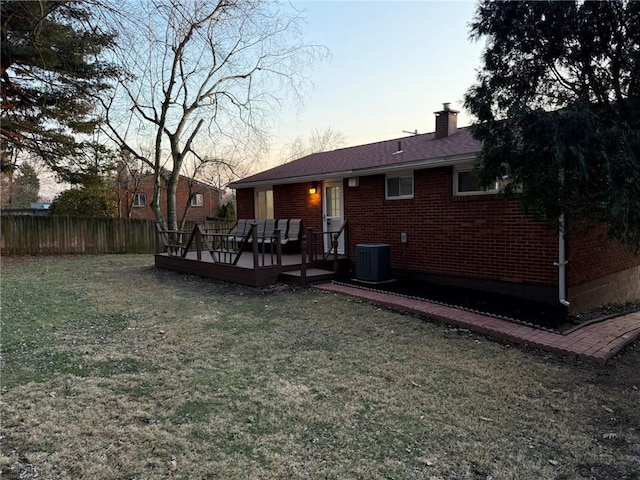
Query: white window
point(466, 181)
point(399, 185)
point(333, 197)
point(139, 199)
point(197, 200)
point(264, 204)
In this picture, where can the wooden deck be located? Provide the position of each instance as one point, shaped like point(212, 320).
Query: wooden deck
point(243, 272)
point(224, 257)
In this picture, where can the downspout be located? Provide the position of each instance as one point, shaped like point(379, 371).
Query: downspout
point(562, 257)
point(561, 264)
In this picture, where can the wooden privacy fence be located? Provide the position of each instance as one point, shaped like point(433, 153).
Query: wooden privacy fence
point(212, 225)
point(22, 235)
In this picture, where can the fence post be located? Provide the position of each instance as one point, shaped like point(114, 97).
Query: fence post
point(346, 239)
point(198, 242)
point(254, 243)
point(303, 267)
point(334, 245)
point(311, 247)
point(162, 235)
point(278, 248)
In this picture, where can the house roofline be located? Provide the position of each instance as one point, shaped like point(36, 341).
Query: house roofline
point(186, 177)
point(200, 182)
point(445, 161)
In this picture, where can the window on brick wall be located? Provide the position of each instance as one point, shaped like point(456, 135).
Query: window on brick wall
point(197, 200)
point(139, 199)
point(264, 203)
point(466, 181)
point(399, 185)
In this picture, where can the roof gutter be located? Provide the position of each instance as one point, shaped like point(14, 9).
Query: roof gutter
point(418, 164)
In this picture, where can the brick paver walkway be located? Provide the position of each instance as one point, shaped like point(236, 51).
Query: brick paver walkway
point(596, 341)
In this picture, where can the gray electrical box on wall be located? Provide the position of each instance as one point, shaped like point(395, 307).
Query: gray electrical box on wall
point(403, 237)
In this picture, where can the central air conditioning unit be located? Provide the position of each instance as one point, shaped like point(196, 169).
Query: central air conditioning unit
point(373, 262)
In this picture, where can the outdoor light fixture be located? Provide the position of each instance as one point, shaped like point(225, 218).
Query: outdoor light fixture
point(313, 189)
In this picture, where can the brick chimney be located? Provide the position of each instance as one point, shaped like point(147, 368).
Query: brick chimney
point(446, 121)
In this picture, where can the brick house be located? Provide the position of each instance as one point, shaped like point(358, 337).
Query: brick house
point(136, 195)
point(420, 195)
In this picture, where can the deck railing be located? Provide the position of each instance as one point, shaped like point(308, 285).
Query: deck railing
point(224, 248)
point(315, 244)
point(212, 225)
point(313, 248)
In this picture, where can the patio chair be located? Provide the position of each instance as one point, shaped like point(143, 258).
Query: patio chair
point(282, 225)
point(269, 230)
point(237, 228)
point(242, 227)
point(292, 239)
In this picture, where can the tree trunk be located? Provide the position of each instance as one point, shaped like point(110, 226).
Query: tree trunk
point(155, 203)
point(172, 212)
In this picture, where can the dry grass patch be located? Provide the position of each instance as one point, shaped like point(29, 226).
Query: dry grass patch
point(114, 369)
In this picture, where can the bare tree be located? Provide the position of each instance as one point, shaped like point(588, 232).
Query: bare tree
point(129, 173)
point(317, 141)
point(203, 74)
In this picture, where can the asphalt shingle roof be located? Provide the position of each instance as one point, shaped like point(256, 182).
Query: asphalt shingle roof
point(416, 148)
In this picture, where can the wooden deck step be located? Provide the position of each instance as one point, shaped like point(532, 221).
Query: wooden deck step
point(314, 275)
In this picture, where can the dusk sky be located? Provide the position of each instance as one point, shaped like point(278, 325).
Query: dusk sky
point(393, 64)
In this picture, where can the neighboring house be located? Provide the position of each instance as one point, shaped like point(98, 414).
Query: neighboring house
point(136, 195)
point(420, 195)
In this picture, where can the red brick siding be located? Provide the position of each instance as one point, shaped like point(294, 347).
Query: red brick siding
point(294, 201)
point(245, 204)
point(195, 214)
point(478, 237)
point(481, 237)
point(289, 201)
point(591, 256)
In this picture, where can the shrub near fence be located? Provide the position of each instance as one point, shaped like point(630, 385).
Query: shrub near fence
point(21, 235)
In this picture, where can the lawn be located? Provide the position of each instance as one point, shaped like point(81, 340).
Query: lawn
point(112, 369)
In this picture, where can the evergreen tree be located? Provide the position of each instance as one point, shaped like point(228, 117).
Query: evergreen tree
point(558, 107)
point(50, 73)
point(95, 198)
point(26, 187)
point(228, 210)
point(20, 188)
